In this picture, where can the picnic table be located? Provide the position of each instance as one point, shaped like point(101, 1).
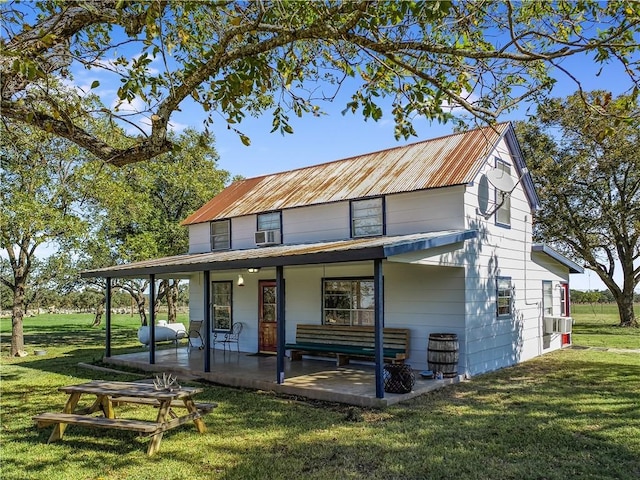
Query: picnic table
point(112, 394)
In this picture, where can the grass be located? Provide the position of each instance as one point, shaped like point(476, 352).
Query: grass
point(596, 326)
point(569, 414)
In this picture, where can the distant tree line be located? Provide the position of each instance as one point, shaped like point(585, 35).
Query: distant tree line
point(597, 296)
point(85, 300)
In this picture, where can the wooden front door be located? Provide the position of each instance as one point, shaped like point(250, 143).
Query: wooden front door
point(267, 320)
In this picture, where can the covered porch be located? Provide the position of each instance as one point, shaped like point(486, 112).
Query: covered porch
point(358, 384)
point(353, 384)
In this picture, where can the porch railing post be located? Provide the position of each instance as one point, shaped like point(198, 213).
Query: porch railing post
point(281, 330)
point(107, 329)
point(379, 324)
point(152, 319)
point(207, 321)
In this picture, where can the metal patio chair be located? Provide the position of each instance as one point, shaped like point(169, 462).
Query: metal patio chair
point(194, 335)
point(232, 336)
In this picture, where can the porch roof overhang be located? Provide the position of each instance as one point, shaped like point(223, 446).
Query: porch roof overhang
point(571, 265)
point(286, 255)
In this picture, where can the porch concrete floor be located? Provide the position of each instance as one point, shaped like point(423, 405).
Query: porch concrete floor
point(353, 384)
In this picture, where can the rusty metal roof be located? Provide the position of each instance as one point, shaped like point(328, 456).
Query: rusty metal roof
point(298, 254)
point(445, 161)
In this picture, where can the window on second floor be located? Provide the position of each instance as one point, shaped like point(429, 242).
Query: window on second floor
point(503, 214)
point(367, 217)
point(220, 235)
point(268, 221)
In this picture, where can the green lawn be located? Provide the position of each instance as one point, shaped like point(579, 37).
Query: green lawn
point(569, 414)
point(596, 326)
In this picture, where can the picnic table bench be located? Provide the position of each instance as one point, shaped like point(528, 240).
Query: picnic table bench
point(49, 418)
point(110, 394)
point(346, 341)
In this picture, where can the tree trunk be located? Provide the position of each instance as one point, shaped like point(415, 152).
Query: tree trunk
point(141, 303)
point(172, 300)
point(17, 331)
point(99, 312)
point(625, 309)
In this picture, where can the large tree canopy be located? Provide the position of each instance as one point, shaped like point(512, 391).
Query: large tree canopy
point(586, 167)
point(238, 58)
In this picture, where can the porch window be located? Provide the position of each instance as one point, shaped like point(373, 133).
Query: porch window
point(221, 305)
point(504, 297)
point(367, 217)
point(220, 235)
point(348, 302)
point(503, 214)
point(547, 298)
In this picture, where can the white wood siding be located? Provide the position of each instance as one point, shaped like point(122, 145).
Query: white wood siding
point(316, 223)
point(425, 211)
point(243, 231)
point(494, 342)
point(200, 238)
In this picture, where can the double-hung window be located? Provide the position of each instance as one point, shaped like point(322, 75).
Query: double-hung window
point(503, 214)
point(367, 217)
point(220, 235)
point(348, 301)
point(564, 300)
point(504, 297)
point(271, 222)
point(547, 298)
point(221, 305)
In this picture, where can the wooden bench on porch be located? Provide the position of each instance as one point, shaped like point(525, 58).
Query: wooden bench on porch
point(345, 341)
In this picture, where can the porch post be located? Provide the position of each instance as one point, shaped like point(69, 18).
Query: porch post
point(379, 324)
point(207, 321)
point(281, 330)
point(152, 319)
point(107, 329)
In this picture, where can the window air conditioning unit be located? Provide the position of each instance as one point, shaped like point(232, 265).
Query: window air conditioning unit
point(558, 324)
point(267, 237)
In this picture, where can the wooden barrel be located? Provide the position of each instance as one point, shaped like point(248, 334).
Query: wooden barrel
point(442, 354)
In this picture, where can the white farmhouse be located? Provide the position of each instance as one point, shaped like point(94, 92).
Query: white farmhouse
point(434, 237)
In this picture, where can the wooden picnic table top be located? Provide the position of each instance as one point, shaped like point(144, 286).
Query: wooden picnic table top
point(130, 389)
